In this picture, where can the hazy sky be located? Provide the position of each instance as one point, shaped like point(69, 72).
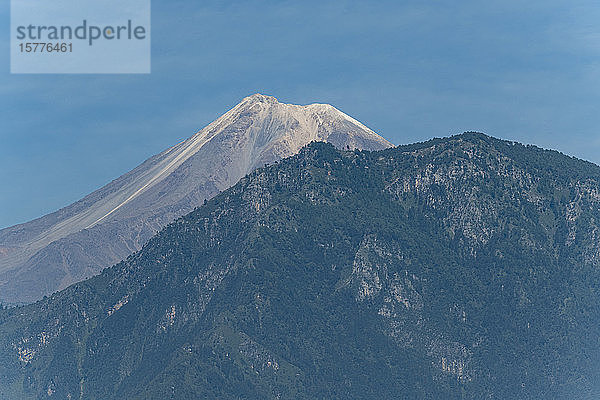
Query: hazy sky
point(410, 70)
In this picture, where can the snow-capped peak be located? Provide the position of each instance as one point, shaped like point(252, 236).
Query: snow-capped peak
point(258, 130)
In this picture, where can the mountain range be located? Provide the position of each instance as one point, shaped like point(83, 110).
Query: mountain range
point(459, 268)
point(47, 254)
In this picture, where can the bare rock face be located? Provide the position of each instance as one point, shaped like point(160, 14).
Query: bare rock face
point(76, 242)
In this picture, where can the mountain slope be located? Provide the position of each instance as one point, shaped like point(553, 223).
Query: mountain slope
point(49, 253)
point(463, 268)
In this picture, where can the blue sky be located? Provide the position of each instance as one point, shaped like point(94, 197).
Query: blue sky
point(410, 70)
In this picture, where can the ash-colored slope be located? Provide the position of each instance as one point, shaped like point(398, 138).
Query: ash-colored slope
point(51, 252)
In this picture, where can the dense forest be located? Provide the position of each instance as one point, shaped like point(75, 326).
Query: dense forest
point(458, 268)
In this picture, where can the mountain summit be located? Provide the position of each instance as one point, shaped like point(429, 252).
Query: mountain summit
point(51, 252)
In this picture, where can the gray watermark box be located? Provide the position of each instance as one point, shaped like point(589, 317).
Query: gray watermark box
point(80, 36)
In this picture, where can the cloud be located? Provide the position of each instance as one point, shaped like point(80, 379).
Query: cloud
point(410, 70)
